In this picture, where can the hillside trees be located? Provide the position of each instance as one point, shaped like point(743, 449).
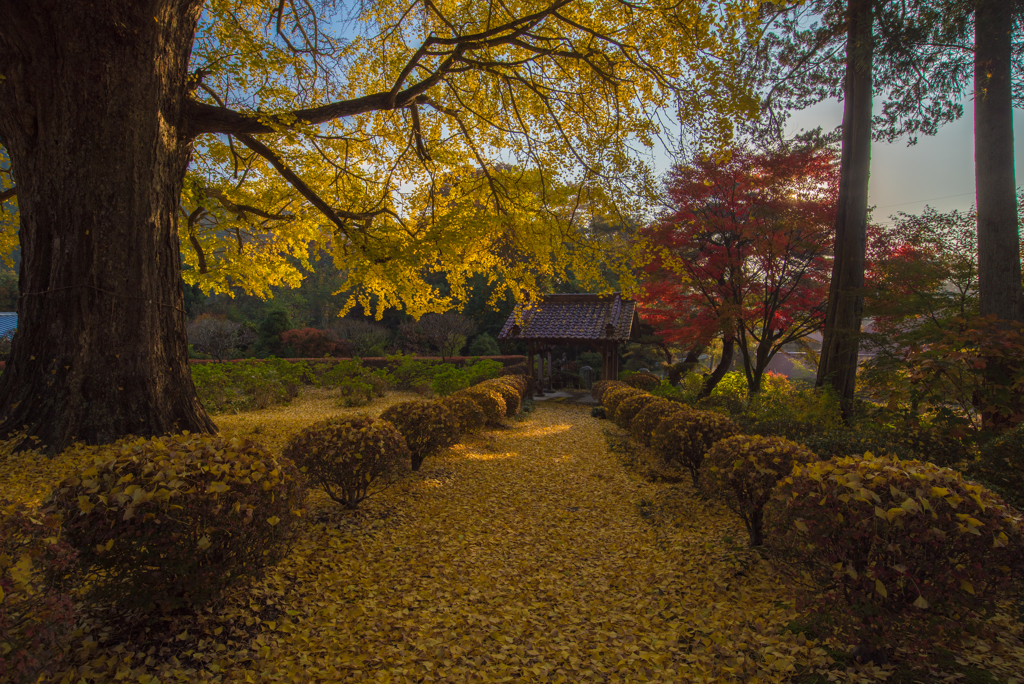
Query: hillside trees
point(743, 253)
point(108, 112)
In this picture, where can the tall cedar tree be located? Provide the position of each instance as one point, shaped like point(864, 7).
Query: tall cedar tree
point(298, 126)
point(744, 253)
point(852, 49)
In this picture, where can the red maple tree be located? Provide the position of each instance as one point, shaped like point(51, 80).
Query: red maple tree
point(744, 252)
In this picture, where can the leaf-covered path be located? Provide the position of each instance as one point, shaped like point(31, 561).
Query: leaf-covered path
point(522, 557)
point(528, 553)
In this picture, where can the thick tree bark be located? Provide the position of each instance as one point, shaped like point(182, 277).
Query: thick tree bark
point(999, 278)
point(841, 343)
point(92, 114)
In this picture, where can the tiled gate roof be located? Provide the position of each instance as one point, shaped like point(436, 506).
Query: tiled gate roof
point(575, 317)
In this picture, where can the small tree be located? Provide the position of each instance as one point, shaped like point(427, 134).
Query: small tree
point(447, 332)
point(365, 337)
point(217, 336)
point(484, 345)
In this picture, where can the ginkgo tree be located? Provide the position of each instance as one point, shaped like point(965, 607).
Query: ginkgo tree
point(406, 136)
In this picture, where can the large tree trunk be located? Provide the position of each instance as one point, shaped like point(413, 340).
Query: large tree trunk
point(999, 284)
point(841, 343)
point(91, 112)
point(724, 364)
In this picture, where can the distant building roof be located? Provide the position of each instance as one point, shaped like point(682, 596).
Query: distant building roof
point(575, 317)
point(8, 323)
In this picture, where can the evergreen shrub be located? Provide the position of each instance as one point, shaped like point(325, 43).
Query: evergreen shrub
point(642, 381)
point(509, 391)
point(489, 401)
point(629, 407)
point(468, 415)
point(650, 416)
point(427, 426)
point(350, 458)
point(613, 396)
point(172, 521)
point(684, 438)
point(598, 389)
point(885, 543)
point(743, 470)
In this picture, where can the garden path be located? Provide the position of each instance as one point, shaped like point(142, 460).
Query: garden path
point(523, 556)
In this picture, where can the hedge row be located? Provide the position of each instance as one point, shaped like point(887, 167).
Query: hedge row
point(878, 540)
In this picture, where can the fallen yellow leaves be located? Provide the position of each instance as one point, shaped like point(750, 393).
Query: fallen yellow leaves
point(521, 555)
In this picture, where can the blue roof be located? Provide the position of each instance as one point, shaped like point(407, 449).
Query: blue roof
point(8, 323)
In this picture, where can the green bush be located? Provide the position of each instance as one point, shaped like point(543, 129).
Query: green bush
point(684, 438)
point(650, 416)
point(642, 381)
point(1000, 466)
point(468, 415)
point(489, 401)
point(884, 543)
point(350, 458)
point(427, 426)
point(629, 407)
point(449, 379)
point(484, 345)
point(172, 521)
point(354, 393)
point(36, 610)
point(743, 470)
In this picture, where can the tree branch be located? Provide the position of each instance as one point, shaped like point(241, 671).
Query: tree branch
point(8, 194)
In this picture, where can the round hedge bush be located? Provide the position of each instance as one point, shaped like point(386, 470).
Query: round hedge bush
point(598, 389)
point(509, 393)
point(37, 570)
point(172, 521)
point(490, 402)
point(642, 381)
point(629, 407)
point(427, 426)
point(520, 382)
point(613, 396)
point(684, 438)
point(650, 416)
point(743, 470)
point(468, 415)
point(350, 458)
point(883, 541)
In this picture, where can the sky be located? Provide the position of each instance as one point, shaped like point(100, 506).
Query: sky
point(937, 171)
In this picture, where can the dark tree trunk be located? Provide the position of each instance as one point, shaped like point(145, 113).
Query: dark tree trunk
point(841, 338)
point(724, 364)
point(999, 284)
point(92, 114)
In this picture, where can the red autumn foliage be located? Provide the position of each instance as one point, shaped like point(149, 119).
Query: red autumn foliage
point(313, 343)
point(744, 252)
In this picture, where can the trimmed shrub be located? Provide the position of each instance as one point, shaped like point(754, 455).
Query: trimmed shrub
point(428, 427)
point(489, 401)
point(601, 386)
point(311, 343)
point(36, 612)
point(743, 470)
point(629, 407)
point(1000, 466)
point(354, 393)
point(517, 369)
point(642, 381)
point(350, 458)
point(883, 541)
point(172, 521)
point(650, 416)
point(468, 415)
point(684, 438)
point(598, 412)
point(520, 382)
point(509, 393)
point(614, 396)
